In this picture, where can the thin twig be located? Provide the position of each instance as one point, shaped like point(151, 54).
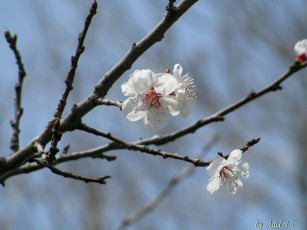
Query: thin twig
point(93, 153)
point(143, 148)
point(99, 180)
point(159, 152)
point(32, 167)
point(187, 171)
point(109, 102)
point(56, 134)
point(74, 62)
point(18, 89)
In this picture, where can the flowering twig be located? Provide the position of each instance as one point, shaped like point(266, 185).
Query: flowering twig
point(187, 171)
point(73, 118)
point(142, 148)
point(18, 88)
point(98, 153)
point(219, 116)
point(146, 149)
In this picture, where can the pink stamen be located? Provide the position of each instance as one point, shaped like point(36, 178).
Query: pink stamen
point(226, 172)
point(302, 57)
point(151, 98)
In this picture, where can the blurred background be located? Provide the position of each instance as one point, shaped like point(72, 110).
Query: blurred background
point(230, 47)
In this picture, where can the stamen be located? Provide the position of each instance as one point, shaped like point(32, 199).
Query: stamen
point(151, 98)
point(190, 89)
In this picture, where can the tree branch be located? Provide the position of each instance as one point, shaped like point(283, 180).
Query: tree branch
point(219, 116)
point(18, 89)
point(74, 62)
point(96, 153)
point(73, 119)
point(99, 180)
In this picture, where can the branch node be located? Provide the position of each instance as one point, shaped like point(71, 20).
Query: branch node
point(170, 8)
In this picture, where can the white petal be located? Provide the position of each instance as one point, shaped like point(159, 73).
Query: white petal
point(171, 105)
point(235, 187)
point(244, 169)
point(186, 107)
point(142, 80)
point(129, 90)
point(234, 157)
point(154, 119)
point(216, 165)
point(301, 47)
point(133, 109)
point(213, 184)
point(177, 71)
point(165, 84)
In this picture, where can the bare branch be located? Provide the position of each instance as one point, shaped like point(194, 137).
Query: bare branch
point(18, 89)
point(99, 180)
point(159, 152)
point(74, 62)
point(32, 167)
point(143, 148)
point(98, 153)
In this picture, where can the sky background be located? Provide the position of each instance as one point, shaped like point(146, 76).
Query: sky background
point(230, 47)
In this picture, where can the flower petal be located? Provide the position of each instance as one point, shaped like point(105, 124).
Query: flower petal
point(216, 165)
point(234, 187)
point(301, 47)
point(213, 184)
point(177, 71)
point(154, 119)
point(244, 169)
point(165, 83)
point(171, 105)
point(128, 90)
point(142, 80)
point(133, 109)
point(234, 157)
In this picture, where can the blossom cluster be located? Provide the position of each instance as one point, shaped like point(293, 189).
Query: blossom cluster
point(153, 97)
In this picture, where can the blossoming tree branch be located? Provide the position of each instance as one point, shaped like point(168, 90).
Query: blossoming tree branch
point(152, 98)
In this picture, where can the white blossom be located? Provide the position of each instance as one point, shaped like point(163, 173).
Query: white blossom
point(153, 97)
point(226, 172)
point(301, 50)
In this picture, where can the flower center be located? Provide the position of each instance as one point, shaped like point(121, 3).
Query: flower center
point(226, 172)
point(302, 57)
point(151, 98)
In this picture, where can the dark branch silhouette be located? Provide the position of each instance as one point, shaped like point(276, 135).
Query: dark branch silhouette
point(18, 89)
